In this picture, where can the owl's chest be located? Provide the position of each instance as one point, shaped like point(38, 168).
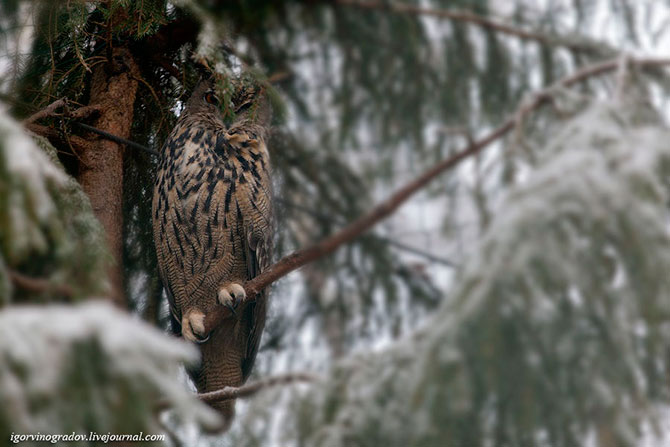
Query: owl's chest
point(203, 178)
point(206, 186)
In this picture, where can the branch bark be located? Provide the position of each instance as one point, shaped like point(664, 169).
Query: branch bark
point(392, 242)
point(328, 245)
point(78, 143)
point(80, 113)
point(51, 111)
point(84, 112)
point(116, 138)
point(229, 393)
point(47, 111)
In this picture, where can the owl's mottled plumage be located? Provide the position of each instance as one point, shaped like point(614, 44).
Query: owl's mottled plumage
point(212, 219)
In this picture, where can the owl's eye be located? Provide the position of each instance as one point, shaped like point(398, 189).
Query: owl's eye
point(244, 107)
point(212, 99)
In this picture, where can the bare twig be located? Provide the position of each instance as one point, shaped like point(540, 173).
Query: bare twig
point(80, 113)
point(279, 77)
point(51, 110)
point(250, 389)
point(581, 45)
point(78, 143)
point(150, 88)
point(38, 285)
point(79, 56)
point(45, 112)
point(116, 138)
point(328, 245)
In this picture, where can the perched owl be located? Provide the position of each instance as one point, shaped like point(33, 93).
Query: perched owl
point(212, 223)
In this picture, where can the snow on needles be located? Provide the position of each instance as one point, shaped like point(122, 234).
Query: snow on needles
point(89, 368)
point(29, 176)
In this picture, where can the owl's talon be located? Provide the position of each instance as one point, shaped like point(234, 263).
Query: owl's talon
point(193, 327)
point(232, 309)
point(231, 295)
point(200, 341)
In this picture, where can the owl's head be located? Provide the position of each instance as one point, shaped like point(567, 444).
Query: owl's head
point(250, 103)
point(205, 100)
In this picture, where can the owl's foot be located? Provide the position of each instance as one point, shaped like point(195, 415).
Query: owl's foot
point(231, 295)
point(193, 326)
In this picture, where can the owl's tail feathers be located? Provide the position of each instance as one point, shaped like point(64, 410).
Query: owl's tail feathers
point(220, 367)
point(226, 410)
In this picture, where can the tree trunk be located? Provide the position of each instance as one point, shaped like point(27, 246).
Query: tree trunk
point(113, 88)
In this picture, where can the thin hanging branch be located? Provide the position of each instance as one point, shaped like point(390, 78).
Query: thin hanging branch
point(384, 209)
point(250, 389)
point(581, 44)
point(116, 138)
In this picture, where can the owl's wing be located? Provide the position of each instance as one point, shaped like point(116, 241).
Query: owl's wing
point(258, 246)
point(161, 240)
point(175, 318)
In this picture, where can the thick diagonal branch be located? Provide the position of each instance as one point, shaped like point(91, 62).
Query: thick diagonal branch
point(328, 245)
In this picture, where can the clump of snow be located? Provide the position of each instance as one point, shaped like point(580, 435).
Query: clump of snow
point(29, 177)
point(556, 329)
point(90, 368)
point(47, 227)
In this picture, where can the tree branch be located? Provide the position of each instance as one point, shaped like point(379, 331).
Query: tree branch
point(84, 112)
point(38, 285)
point(250, 389)
point(580, 45)
point(116, 138)
point(51, 110)
point(328, 245)
point(80, 113)
point(45, 112)
point(79, 143)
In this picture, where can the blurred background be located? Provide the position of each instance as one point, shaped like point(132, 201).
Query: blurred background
point(520, 299)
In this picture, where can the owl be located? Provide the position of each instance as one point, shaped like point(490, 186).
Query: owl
point(212, 224)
